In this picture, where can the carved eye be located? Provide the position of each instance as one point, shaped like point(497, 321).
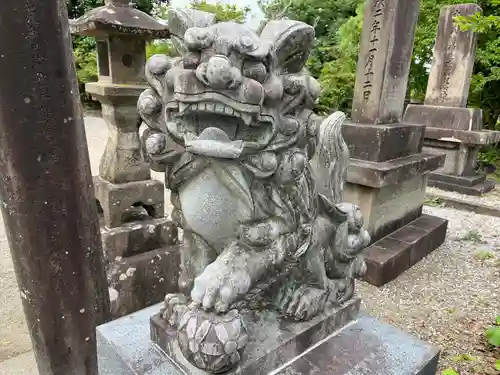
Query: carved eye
point(255, 70)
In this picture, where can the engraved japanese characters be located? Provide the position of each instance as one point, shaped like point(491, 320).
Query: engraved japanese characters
point(256, 181)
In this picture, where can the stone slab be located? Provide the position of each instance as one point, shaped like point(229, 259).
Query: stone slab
point(366, 346)
point(473, 137)
point(273, 340)
point(108, 89)
point(389, 257)
point(447, 184)
point(380, 174)
point(435, 116)
point(467, 181)
point(383, 142)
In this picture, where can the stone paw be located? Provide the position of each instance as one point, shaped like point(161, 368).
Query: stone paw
point(305, 303)
point(221, 283)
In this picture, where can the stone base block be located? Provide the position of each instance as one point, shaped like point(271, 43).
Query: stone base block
point(116, 200)
point(383, 142)
point(473, 185)
point(388, 208)
point(389, 257)
point(273, 340)
point(142, 280)
point(138, 237)
point(364, 346)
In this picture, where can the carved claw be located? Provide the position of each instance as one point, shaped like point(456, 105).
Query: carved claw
point(305, 303)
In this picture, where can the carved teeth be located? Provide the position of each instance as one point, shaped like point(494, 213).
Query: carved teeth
point(246, 118)
point(183, 107)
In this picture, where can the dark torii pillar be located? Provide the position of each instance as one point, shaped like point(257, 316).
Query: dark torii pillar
point(46, 192)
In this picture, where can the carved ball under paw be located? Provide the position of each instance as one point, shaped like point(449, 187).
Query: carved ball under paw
point(210, 341)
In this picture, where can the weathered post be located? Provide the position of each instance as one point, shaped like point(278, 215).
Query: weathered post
point(46, 192)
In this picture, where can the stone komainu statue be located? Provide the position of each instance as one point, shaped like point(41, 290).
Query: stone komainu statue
point(256, 181)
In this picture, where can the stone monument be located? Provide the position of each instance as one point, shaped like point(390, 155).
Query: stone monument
point(451, 127)
point(256, 181)
point(138, 241)
point(387, 176)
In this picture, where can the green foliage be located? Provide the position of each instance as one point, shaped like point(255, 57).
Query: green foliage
point(493, 334)
point(497, 365)
point(159, 47)
point(337, 77)
point(464, 358)
point(223, 12)
point(85, 64)
point(434, 202)
point(473, 236)
point(449, 371)
point(484, 255)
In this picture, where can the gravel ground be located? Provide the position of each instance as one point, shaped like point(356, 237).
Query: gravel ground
point(451, 296)
point(491, 199)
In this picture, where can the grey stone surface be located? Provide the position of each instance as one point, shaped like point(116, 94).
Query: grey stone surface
point(453, 60)
point(435, 116)
point(273, 340)
point(460, 160)
point(384, 60)
point(383, 142)
point(367, 346)
point(231, 125)
point(116, 199)
point(447, 183)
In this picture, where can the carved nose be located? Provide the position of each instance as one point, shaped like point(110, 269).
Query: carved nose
point(220, 74)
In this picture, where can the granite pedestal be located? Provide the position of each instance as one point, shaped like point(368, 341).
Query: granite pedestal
point(363, 346)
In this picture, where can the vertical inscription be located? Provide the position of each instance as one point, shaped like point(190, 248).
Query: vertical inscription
point(378, 7)
point(449, 58)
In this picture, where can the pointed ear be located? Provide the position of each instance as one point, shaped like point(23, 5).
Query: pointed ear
point(292, 42)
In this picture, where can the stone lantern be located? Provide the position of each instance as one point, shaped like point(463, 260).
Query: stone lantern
point(134, 228)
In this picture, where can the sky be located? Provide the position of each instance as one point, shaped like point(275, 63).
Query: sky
point(254, 19)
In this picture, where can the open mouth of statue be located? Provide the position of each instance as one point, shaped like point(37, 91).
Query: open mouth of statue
point(211, 129)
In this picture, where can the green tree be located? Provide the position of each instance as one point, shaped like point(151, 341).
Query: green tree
point(223, 12)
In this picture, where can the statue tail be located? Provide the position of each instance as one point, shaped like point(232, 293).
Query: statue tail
point(331, 158)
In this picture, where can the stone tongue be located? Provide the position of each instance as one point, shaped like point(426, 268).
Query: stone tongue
point(215, 134)
point(214, 142)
